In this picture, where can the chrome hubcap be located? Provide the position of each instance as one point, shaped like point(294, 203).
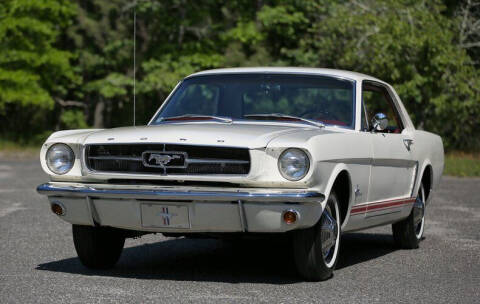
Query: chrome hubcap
point(419, 213)
point(328, 233)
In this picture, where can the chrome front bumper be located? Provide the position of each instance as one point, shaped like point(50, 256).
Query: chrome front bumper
point(210, 209)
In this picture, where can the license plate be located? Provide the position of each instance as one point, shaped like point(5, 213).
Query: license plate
point(165, 216)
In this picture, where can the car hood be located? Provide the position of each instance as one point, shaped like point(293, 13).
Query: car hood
point(249, 135)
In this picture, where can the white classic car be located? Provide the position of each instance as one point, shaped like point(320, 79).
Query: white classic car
point(308, 152)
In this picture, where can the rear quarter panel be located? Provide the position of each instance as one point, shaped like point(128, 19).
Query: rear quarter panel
point(428, 151)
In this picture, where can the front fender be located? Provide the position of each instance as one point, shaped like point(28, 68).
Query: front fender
point(335, 172)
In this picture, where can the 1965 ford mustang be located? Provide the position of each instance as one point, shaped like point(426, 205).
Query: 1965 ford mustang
point(308, 152)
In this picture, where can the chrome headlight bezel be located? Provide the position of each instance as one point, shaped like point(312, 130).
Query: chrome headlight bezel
point(65, 156)
point(301, 156)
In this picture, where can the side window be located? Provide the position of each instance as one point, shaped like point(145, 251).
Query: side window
point(376, 99)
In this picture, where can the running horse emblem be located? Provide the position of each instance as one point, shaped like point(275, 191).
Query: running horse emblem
point(162, 159)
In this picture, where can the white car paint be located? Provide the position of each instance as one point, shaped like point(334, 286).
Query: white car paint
point(381, 170)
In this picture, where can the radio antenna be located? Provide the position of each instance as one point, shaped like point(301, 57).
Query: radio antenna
point(134, 59)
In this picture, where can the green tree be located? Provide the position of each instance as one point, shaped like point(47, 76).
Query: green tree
point(409, 44)
point(69, 64)
point(33, 70)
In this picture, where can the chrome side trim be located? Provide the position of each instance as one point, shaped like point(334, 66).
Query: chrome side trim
point(178, 193)
point(380, 162)
point(382, 214)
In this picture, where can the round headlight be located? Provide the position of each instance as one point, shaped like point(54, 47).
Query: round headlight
point(60, 158)
point(293, 164)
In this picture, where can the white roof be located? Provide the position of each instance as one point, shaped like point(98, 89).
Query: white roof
point(289, 70)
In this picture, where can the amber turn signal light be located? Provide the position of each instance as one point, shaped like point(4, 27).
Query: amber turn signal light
point(290, 216)
point(57, 208)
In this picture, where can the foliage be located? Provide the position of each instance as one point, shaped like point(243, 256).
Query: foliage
point(461, 164)
point(69, 64)
point(410, 45)
point(33, 71)
point(73, 119)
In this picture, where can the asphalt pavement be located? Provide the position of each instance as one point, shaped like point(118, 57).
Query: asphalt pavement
point(38, 263)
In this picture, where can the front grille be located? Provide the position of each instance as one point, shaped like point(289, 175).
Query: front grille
point(164, 159)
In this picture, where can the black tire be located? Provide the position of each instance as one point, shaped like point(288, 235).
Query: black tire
point(98, 247)
point(408, 233)
point(310, 260)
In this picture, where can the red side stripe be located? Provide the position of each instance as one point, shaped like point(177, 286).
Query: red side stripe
point(388, 205)
point(389, 201)
point(377, 206)
point(358, 209)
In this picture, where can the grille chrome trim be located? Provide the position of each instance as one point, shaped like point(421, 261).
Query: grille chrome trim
point(215, 161)
point(129, 159)
point(114, 157)
point(187, 160)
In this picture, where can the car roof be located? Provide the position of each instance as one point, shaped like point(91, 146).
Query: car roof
point(289, 70)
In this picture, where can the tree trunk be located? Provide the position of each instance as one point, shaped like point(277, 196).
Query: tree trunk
point(98, 115)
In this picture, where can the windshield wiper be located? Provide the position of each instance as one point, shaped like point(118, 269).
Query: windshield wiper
point(279, 116)
point(196, 117)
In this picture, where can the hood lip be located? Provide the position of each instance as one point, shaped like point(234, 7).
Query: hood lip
point(85, 145)
point(286, 129)
point(268, 131)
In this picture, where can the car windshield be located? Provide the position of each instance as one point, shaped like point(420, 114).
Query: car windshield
point(266, 97)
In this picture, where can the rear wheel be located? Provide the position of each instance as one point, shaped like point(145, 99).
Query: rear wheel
point(98, 247)
point(316, 248)
point(408, 233)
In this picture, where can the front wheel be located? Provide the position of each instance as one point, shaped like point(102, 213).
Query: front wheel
point(316, 248)
point(98, 247)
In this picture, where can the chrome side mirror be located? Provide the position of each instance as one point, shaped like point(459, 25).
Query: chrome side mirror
point(379, 122)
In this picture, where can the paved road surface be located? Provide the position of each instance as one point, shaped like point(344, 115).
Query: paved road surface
point(38, 262)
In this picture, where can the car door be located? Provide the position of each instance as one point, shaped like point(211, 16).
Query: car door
point(393, 168)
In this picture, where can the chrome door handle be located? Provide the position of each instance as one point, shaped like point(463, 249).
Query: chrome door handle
point(408, 142)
